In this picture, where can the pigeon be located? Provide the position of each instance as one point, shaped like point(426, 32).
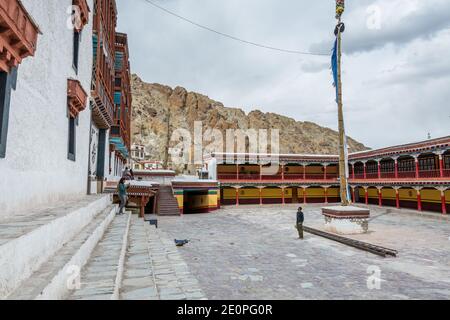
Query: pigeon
point(180, 243)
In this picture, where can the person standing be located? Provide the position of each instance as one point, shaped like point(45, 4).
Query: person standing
point(122, 190)
point(300, 219)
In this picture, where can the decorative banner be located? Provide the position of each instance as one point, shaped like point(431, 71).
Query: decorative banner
point(334, 68)
point(340, 8)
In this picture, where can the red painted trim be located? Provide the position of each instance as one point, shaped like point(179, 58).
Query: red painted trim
point(444, 207)
point(419, 201)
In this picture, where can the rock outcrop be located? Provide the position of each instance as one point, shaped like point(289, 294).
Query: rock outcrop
point(158, 110)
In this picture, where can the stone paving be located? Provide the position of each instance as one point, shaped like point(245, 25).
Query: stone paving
point(251, 252)
point(154, 269)
point(99, 275)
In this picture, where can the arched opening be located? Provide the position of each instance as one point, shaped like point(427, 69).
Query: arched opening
point(406, 167)
point(446, 163)
point(388, 197)
point(431, 199)
point(359, 170)
point(387, 168)
point(447, 200)
point(228, 196)
point(334, 195)
point(372, 169)
point(315, 172)
point(272, 195)
point(315, 195)
point(429, 166)
point(333, 171)
point(249, 172)
point(293, 172)
point(226, 171)
point(373, 197)
point(249, 195)
point(408, 198)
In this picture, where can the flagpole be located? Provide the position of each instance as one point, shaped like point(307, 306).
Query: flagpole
point(343, 156)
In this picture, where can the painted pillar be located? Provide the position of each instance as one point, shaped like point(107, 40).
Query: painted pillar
point(417, 167)
point(260, 197)
point(365, 171)
point(353, 195)
point(380, 198)
point(366, 196)
point(444, 207)
point(260, 172)
point(237, 171)
point(396, 168)
point(379, 169)
point(326, 195)
point(282, 196)
point(304, 195)
point(282, 172)
point(353, 170)
point(419, 200)
point(325, 171)
point(441, 166)
point(237, 197)
point(397, 199)
point(304, 172)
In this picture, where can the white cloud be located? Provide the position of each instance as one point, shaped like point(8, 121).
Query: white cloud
point(396, 79)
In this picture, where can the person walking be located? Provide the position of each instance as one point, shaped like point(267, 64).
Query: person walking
point(122, 190)
point(300, 219)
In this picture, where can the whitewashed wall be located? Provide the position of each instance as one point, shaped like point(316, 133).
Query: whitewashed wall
point(36, 170)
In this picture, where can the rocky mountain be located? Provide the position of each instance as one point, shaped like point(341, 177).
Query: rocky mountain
point(158, 110)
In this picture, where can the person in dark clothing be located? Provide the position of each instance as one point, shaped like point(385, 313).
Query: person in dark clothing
point(122, 191)
point(300, 219)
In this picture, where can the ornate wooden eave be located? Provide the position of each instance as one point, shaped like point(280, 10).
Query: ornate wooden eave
point(76, 97)
point(84, 13)
point(18, 34)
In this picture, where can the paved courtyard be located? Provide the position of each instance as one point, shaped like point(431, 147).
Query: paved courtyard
point(253, 253)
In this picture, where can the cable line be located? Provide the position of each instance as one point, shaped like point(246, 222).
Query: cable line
point(233, 37)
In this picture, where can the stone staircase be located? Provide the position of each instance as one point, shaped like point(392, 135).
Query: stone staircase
point(167, 203)
point(136, 261)
point(41, 250)
point(83, 250)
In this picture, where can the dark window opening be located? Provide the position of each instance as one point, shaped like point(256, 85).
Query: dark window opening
point(76, 49)
point(7, 82)
point(72, 138)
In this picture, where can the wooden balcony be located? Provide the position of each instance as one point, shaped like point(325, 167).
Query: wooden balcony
point(76, 97)
point(18, 34)
point(84, 13)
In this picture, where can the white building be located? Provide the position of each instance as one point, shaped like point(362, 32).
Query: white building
point(46, 122)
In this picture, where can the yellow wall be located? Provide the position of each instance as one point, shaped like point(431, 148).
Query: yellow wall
point(447, 196)
point(388, 194)
point(430, 195)
point(408, 194)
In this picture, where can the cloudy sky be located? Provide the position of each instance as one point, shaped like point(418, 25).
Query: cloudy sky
point(396, 63)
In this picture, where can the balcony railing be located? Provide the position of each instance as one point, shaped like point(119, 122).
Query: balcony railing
point(424, 174)
point(406, 174)
point(430, 174)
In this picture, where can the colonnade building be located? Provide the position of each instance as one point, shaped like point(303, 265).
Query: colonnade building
point(415, 176)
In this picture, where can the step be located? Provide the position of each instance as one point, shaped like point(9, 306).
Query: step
point(138, 280)
point(53, 279)
point(29, 239)
point(101, 277)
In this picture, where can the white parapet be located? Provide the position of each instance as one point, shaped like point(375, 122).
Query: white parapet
point(346, 219)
